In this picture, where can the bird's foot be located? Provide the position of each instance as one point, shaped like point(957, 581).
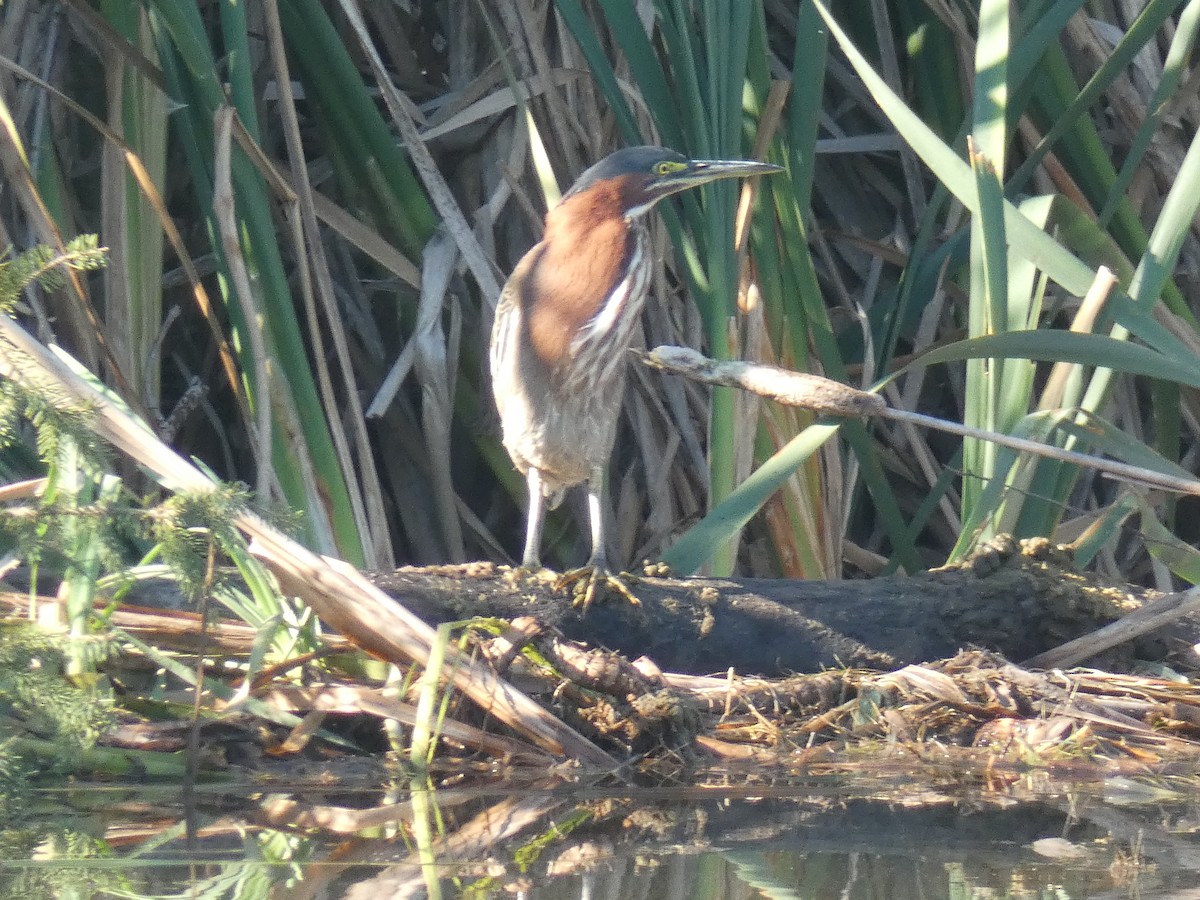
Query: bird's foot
point(588, 582)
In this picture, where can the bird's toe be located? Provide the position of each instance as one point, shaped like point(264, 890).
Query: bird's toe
point(588, 583)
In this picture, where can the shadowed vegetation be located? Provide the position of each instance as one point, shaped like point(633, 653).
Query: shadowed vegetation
point(268, 180)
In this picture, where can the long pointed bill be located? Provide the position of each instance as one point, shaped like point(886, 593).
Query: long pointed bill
point(702, 171)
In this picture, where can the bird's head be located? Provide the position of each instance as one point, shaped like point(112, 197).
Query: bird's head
point(648, 174)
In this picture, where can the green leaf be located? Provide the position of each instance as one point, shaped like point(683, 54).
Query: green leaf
point(1067, 346)
point(1177, 555)
point(696, 546)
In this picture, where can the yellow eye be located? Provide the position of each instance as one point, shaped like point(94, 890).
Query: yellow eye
point(666, 167)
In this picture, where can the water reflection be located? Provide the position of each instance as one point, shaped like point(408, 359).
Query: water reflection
point(782, 841)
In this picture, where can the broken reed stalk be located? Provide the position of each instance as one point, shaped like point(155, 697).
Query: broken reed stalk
point(832, 398)
point(336, 591)
point(1150, 617)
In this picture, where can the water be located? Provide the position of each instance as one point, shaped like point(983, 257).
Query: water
point(835, 839)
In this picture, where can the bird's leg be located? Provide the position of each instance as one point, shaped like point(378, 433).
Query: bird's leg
point(596, 571)
point(599, 557)
point(535, 517)
point(530, 559)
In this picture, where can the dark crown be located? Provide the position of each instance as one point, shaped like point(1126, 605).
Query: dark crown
point(630, 161)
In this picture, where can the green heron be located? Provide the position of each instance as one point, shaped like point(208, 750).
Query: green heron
point(564, 321)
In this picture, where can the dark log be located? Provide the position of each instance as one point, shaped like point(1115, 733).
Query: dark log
point(1018, 599)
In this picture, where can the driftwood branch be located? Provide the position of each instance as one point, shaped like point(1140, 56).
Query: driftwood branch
point(827, 397)
point(1150, 618)
point(1020, 599)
